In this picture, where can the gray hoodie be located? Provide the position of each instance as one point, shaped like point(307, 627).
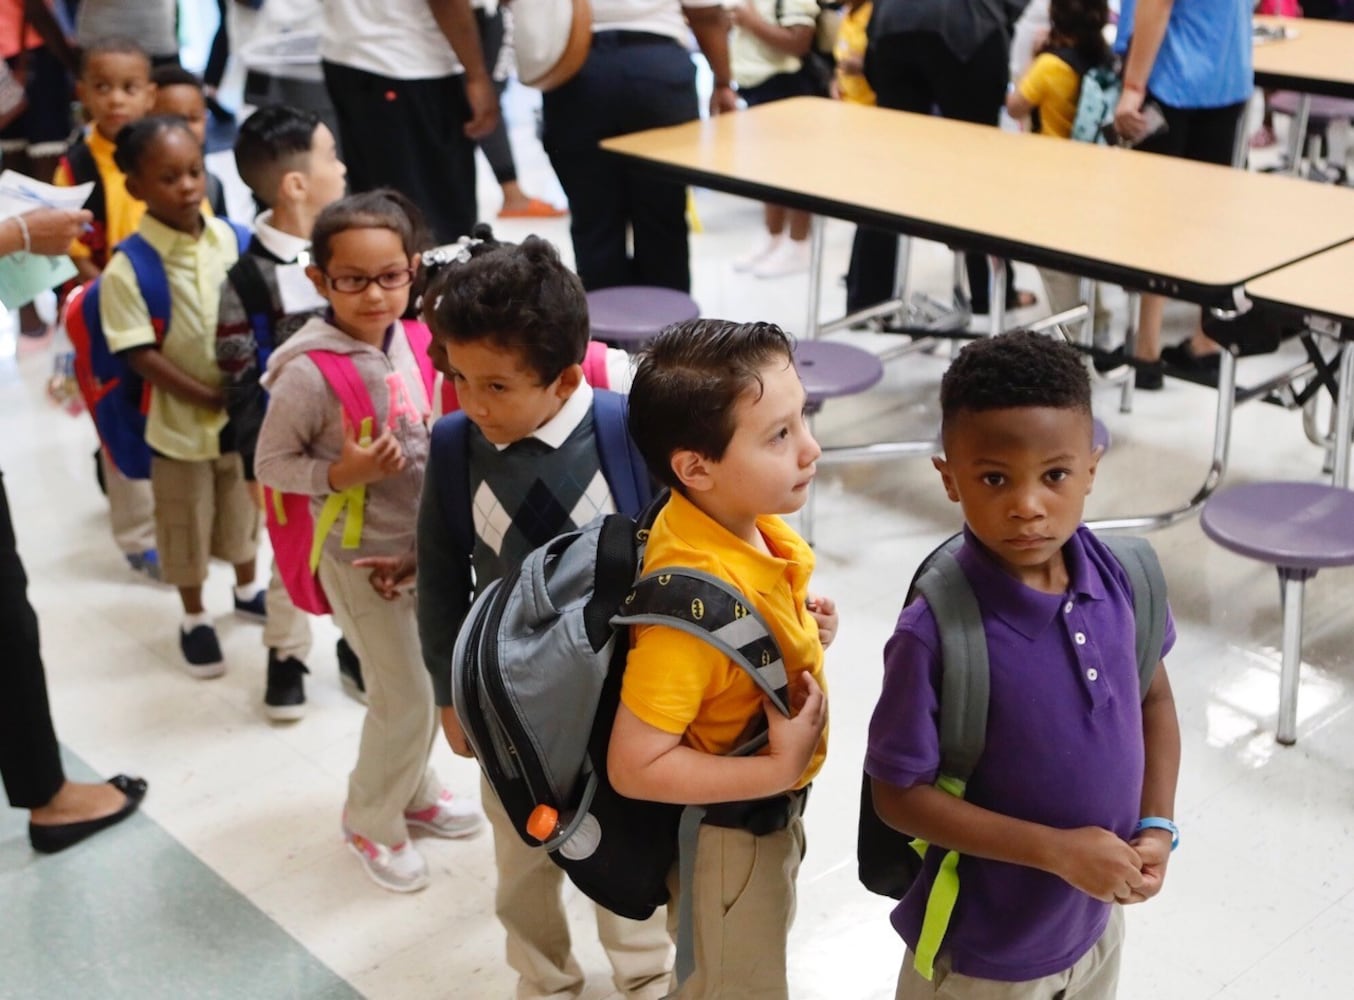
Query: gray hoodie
point(302, 434)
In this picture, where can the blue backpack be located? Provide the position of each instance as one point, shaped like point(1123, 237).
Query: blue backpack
point(117, 398)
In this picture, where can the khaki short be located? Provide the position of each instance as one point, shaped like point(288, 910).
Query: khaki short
point(203, 510)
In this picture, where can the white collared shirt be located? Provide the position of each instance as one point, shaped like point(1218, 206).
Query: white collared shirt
point(557, 429)
point(284, 246)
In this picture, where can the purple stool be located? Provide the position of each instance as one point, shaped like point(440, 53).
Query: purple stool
point(1298, 528)
point(629, 316)
point(830, 370)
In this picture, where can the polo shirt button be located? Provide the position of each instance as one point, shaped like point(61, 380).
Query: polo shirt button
point(1067, 608)
point(1080, 638)
point(1092, 674)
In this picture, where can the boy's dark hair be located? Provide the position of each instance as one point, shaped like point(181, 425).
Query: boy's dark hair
point(174, 75)
point(1017, 369)
point(274, 141)
point(384, 208)
point(1079, 24)
point(139, 136)
point(688, 381)
point(112, 45)
point(519, 297)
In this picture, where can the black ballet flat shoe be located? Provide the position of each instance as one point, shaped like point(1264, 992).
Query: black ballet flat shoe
point(58, 837)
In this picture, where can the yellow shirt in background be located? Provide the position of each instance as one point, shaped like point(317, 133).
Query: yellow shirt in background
point(122, 212)
point(196, 269)
point(851, 42)
point(679, 684)
point(1053, 87)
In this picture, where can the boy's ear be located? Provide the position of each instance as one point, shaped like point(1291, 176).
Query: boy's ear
point(1096, 454)
point(292, 186)
point(568, 382)
point(692, 470)
point(946, 477)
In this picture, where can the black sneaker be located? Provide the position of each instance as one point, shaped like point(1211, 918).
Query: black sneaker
point(350, 671)
point(1182, 359)
point(202, 652)
point(1149, 375)
point(285, 698)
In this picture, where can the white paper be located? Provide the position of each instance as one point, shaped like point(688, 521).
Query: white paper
point(297, 291)
point(19, 194)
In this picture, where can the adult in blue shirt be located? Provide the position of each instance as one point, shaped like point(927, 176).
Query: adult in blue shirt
point(1193, 58)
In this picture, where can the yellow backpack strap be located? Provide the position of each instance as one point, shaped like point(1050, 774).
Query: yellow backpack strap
point(351, 504)
point(940, 902)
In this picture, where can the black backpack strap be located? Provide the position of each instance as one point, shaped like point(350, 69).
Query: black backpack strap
point(1140, 562)
point(83, 171)
point(246, 277)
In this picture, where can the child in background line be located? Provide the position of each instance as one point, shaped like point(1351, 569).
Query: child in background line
point(1049, 91)
point(1068, 811)
point(288, 159)
point(364, 252)
point(179, 92)
point(511, 328)
point(115, 89)
point(850, 84)
point(770, 39)
point(202, 506)
point(717, 410)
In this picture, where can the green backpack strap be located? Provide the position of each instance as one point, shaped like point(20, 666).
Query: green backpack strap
point(1148, 582)
point(964, 694)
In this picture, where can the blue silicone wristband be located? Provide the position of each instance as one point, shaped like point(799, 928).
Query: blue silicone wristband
point(1160, 823)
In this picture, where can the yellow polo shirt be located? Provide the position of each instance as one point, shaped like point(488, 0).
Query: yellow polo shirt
point(1053, 87)
point(681, 685)
point(196, 269)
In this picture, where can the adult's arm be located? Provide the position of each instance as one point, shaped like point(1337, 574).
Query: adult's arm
point(793, 40)
point(711, 27)
point(1150, 20)
point(44, 22)
point(456, 19)
point(50, 230)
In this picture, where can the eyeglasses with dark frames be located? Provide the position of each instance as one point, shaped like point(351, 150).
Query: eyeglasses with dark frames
point(352, 284)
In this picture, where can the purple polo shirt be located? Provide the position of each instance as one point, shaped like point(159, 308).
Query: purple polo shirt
point(1064, 748)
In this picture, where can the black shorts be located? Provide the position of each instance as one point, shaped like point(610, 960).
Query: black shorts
point(778, 88)
point(45, 127)
point(1204, 134)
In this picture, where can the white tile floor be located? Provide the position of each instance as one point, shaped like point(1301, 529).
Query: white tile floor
point(1260, 899)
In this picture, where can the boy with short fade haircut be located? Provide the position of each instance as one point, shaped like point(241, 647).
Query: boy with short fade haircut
point(1068, 810)
point(288, 159)
point(717, 410)
point(180, 92)
point(510, 328)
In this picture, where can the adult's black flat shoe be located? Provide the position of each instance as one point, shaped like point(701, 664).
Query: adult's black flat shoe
point(1182, 359)
point(59, 836)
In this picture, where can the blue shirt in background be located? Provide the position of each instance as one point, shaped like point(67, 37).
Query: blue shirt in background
point(1205, 57)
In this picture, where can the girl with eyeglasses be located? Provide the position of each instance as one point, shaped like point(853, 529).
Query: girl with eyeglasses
point(364, 253)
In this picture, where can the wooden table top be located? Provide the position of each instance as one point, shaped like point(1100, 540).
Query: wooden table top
point(1189, 230)
point(1319, 59)
point(1323, 285)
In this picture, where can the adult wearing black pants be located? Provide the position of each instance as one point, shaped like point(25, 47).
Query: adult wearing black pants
point(638, 75)
point(927, 55)
point(61, 812)
point(412, 94)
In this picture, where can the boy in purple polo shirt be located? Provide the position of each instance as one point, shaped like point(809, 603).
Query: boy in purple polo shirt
point(1067, 812)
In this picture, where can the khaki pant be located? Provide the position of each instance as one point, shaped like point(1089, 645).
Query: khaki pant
point(131, 508)
point(203, 510)
point(1095, 976)
point(530, 907)
point(1063, 292)
point(743, 901)
point(392, 773)
point(287, 630)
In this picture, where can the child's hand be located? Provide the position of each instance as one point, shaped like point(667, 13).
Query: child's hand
point(388, 573)
point(824, 611)
point(793, 740)
point(1154, 848)
point(1098, 863)
point(451, 729)
point(358, 463)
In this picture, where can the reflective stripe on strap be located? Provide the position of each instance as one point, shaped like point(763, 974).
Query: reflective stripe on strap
point(940, 902)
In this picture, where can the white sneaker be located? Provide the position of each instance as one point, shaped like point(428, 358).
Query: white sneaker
point(790, 257)
point(750, 260)
point(447, 817)
point(400, 868)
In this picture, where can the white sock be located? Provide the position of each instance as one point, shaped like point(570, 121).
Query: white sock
point(191, 622)
point(245, 592)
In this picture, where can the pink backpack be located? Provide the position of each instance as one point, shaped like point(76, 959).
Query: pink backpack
point(297, 537)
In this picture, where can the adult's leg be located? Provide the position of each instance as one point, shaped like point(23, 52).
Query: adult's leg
point(30, 762)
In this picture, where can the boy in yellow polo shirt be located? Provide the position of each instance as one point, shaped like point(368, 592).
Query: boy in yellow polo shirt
point(717, 410)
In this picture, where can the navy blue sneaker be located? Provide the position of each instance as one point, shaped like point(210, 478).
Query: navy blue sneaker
point(147, 562)
point(255, 609)
point(284, 700)
point(202, 652)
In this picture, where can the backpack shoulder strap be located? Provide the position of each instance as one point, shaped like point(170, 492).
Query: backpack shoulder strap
point(1140, 562)
point(342, 375)
point(965, 678)
point(246, 277)
point(622, 465)
point(1073, 57)
point(451, 444)
point(243, 236)
point(84, 170)
point(420, 339)
point(151, 279)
